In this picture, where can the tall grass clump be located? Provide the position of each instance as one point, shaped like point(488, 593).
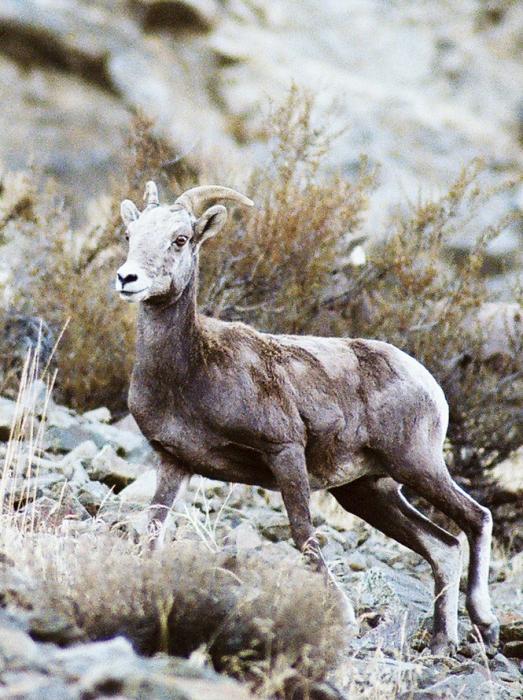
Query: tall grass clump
point(20, 467)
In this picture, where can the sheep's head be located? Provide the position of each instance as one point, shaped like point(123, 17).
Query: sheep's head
point(164, 240)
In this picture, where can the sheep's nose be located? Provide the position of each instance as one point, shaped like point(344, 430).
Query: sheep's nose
point(126, 279)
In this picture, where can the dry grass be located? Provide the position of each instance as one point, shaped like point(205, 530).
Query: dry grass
point(251, 618)
point(249, 615)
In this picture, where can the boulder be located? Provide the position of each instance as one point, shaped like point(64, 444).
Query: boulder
point(508, 474)
point(97, 415)
point(141, 490)
point(401, 607)
point(114, 471)
point(7, 416)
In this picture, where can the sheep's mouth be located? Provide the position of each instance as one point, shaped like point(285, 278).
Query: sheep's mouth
point(128, 294)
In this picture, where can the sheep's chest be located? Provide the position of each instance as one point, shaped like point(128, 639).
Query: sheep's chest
point(178, 431)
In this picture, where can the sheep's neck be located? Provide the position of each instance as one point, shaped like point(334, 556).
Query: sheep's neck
point(168, 336)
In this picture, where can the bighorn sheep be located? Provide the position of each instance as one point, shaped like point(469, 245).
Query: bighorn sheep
point(359, 418)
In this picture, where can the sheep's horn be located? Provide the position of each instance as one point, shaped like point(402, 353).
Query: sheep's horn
point(197, 197)
point(151, 194)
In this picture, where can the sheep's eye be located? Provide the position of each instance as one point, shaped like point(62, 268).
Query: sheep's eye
point(126, 236)
point(181, 241)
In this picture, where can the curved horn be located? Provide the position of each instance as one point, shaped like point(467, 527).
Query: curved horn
point(151, 194)
point(196, 197)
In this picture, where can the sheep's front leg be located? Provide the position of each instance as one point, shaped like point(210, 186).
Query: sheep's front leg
point(169, 478)
point(289, 468)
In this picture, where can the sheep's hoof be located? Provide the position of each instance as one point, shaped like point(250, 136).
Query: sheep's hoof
point(441, 645)
point(490, 634)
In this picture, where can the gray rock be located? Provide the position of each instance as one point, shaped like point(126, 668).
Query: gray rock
point(97, 415)
point(74, 661)
point(82, 453)
point(123, 441)
point(92, 494)
point(108, 467)
point(357, 561)
point(48, 625)
point(59, 507)
point(400, 604)
point(78, 474)
point(65, 439)
point(128, 424)
point(31, 685)
point(113, 664)
point(7, 416)
point(60, 416)
point(141, 490)
point(34, 398)
point(21, 489)
point(472, 685)
point(244, 537)
point(17, 649)
point(274, 527)
point(142, 453)
point(512, 631)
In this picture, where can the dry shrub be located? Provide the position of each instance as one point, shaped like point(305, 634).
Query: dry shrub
point(271, 266)
point(263, 620)
point(65, 277)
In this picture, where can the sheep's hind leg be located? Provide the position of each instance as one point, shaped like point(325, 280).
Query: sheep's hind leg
point(379, 501)
point(431, 480)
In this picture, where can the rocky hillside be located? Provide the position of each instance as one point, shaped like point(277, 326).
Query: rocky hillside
point(73, 617)
point(419, 89)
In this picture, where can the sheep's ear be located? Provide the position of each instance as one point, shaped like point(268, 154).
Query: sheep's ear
point(209, 223)
point(128, 211)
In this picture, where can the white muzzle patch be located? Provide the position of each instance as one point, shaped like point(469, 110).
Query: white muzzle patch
point(131, 282)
